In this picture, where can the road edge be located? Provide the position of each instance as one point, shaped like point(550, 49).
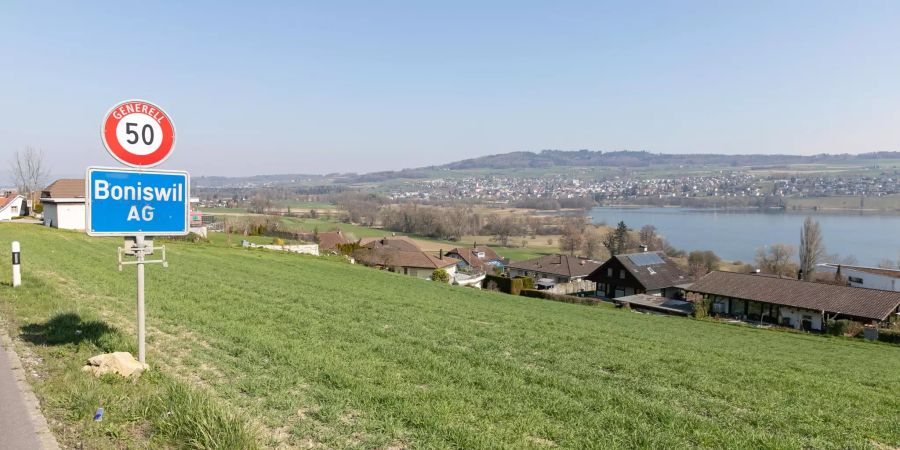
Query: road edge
point(45, 436)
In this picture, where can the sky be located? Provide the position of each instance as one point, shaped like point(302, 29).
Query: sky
point(343, 86)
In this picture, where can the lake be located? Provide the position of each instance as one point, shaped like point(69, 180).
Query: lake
point(735, 235)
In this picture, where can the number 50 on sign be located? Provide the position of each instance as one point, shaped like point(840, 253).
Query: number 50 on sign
point(138, 133)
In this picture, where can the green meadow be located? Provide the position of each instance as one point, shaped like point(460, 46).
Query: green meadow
point(254, 347)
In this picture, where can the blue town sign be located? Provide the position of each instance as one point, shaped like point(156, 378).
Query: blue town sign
point(123, 202)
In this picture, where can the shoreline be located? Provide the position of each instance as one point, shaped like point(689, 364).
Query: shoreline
point(871, 211)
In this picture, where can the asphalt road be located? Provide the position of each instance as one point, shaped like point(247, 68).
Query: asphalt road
point(16, 429)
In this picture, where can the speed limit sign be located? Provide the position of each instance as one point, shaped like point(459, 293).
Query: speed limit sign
point(138, 133)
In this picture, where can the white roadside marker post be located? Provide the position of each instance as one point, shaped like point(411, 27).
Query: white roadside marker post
point(16, 262)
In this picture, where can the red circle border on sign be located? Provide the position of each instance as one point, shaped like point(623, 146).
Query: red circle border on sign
point(108, 134)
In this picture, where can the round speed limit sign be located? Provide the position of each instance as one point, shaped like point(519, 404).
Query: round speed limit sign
point(138, 133)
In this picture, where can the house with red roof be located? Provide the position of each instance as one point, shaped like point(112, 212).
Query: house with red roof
point(11, 205)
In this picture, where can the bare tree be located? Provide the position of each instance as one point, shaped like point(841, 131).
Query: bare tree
point(776, 260)
point(593, 243)
point(812, 250)
point(29, 172)
point(702, 262)
point(572, 238)
point(650, 238)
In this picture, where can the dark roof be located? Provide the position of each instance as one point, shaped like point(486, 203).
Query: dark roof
point(470, 255)
point(653, 270)
point(65, 188)
point(389, 257)
point(858, 302)
point(394, 242)
point(564, 265)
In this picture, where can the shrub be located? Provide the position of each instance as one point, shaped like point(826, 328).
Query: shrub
point(503, 284)
point(838, 327)
point(440, 275)
point(527, 282)
point(701, 305)
point(891, 336)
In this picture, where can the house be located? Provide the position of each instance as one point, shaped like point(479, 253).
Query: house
point(861, 276)
point(329, 240)
point(398, 242)
point(553, 269)
point(403, 256)
point(639, 273)
point(11, 205)
point(789, 302)
point(477, 258)
point(63, 204)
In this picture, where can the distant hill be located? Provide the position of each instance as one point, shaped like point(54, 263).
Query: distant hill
point(626, 158)
point(541, 159)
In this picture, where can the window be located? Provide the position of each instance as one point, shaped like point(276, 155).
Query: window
point(856, 280)
point(622, 274)
point(609, 272)
point(14, 209)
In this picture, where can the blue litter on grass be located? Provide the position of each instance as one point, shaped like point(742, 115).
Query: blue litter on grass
point(98, 416)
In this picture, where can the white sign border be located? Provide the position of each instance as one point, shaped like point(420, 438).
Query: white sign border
point(116, 157)
point(87, 202)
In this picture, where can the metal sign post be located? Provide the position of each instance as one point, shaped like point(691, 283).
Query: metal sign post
point(137, 203)
point(140, 248)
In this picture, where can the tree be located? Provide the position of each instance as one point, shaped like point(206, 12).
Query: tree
point(572, 238)
point(457, 223)
point(440, 275)
point(503, 228)
point(649, 238)
point(29, 172)
point(703, 262)
point(618, 241)
point(812, 250)
point(593, 243)
point(776, 259)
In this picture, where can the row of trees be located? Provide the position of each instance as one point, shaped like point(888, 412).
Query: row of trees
point(455, 222)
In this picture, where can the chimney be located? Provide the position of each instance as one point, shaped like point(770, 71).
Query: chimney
point(800, 274)
point(441, 254)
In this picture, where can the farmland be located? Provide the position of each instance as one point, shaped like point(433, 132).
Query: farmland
point(315, 352)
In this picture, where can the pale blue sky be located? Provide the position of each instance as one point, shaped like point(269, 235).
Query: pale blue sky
point(361, 86)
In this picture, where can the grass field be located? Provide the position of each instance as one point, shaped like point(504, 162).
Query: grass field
point(316, 352)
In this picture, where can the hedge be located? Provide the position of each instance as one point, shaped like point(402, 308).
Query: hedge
point(508, 285)
point(534, 293)
point(892, 336)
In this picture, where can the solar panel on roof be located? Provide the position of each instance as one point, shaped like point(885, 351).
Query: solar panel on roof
point(645, 259)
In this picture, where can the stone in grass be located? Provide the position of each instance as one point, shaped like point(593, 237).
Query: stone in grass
point(121, 363)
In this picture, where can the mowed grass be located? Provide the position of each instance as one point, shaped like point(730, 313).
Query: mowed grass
point(318, 352)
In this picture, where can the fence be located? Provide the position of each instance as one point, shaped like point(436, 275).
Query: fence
point(574, 287)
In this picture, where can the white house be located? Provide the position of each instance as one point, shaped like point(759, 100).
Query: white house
point(63, 204)
point(865, 277)
point(11, 205)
